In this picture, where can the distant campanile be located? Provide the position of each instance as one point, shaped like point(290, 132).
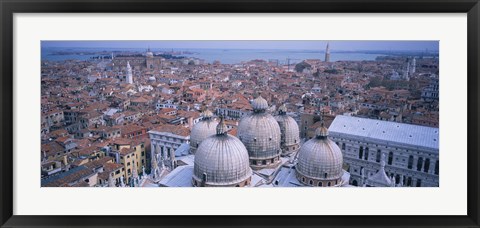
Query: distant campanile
point(129, 74)
point(327, 53)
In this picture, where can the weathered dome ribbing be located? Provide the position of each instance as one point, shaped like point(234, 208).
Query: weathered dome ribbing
point(221, 160)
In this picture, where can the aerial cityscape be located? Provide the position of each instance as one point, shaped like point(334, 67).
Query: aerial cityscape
point(239, 114)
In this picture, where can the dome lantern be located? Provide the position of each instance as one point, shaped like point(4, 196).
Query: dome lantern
point(259, 104)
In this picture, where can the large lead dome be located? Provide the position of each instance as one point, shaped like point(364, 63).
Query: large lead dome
point(320, 161)
point(202, 130)
point(260, 134)
point(290, 134)
point(221, 160)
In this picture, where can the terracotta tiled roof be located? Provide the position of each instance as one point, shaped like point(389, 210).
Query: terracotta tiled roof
point(174, 129)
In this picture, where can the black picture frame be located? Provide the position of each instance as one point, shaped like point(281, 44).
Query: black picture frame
point(9, 7)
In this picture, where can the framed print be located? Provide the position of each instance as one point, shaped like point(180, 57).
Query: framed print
point(263, 113)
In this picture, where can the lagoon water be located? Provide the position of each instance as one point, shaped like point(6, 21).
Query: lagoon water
point(226, 56)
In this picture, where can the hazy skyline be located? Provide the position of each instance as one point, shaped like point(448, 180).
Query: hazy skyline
point(255, 44)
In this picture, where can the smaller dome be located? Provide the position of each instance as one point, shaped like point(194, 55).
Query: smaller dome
point(202, 130)
point(290, 133)
point(320, 161)
point(259, 104)
point(149, 53)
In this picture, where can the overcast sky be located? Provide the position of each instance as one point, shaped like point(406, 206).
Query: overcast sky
point(308, 45)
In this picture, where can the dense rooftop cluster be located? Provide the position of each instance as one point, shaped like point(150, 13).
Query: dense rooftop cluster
point(96, 114)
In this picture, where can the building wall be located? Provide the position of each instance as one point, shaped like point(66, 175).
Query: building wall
point(231, 113)
point(137, 156)
point(165, 144)
point(418, 166)
point(306, 121)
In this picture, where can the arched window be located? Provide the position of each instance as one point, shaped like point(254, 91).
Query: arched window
point(410, 162)
point(325, 175)
point(311, 182)
point(436, 167)
point(419, 164)
point(360, 152)
point(329, 184)
point(390, 158)
point(366, 153)
point(303, 179)
point(419, 183)
point(354, 183)
point(320, 184)
point(379, 155)
point(426, 167)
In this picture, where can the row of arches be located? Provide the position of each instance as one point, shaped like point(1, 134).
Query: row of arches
point(319, 183)
point(408, 182)
point(422, 165)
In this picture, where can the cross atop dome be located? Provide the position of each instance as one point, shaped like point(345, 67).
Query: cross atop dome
point(221, 127)
point(282, 110)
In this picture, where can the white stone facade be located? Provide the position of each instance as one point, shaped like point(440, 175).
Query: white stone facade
point(165, 144)
point(415, 164)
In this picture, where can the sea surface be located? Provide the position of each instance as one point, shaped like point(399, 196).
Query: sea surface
point(226, 56)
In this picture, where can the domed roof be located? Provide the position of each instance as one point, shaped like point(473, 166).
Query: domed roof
point(202, 130)
point(290, 133)
point(259, 104)
point(221, 160)
point(149, 53)
point(320, 158)
point(260, 133)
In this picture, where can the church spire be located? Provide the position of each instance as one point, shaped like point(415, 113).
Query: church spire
point(327, 53)
point(129, 73)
